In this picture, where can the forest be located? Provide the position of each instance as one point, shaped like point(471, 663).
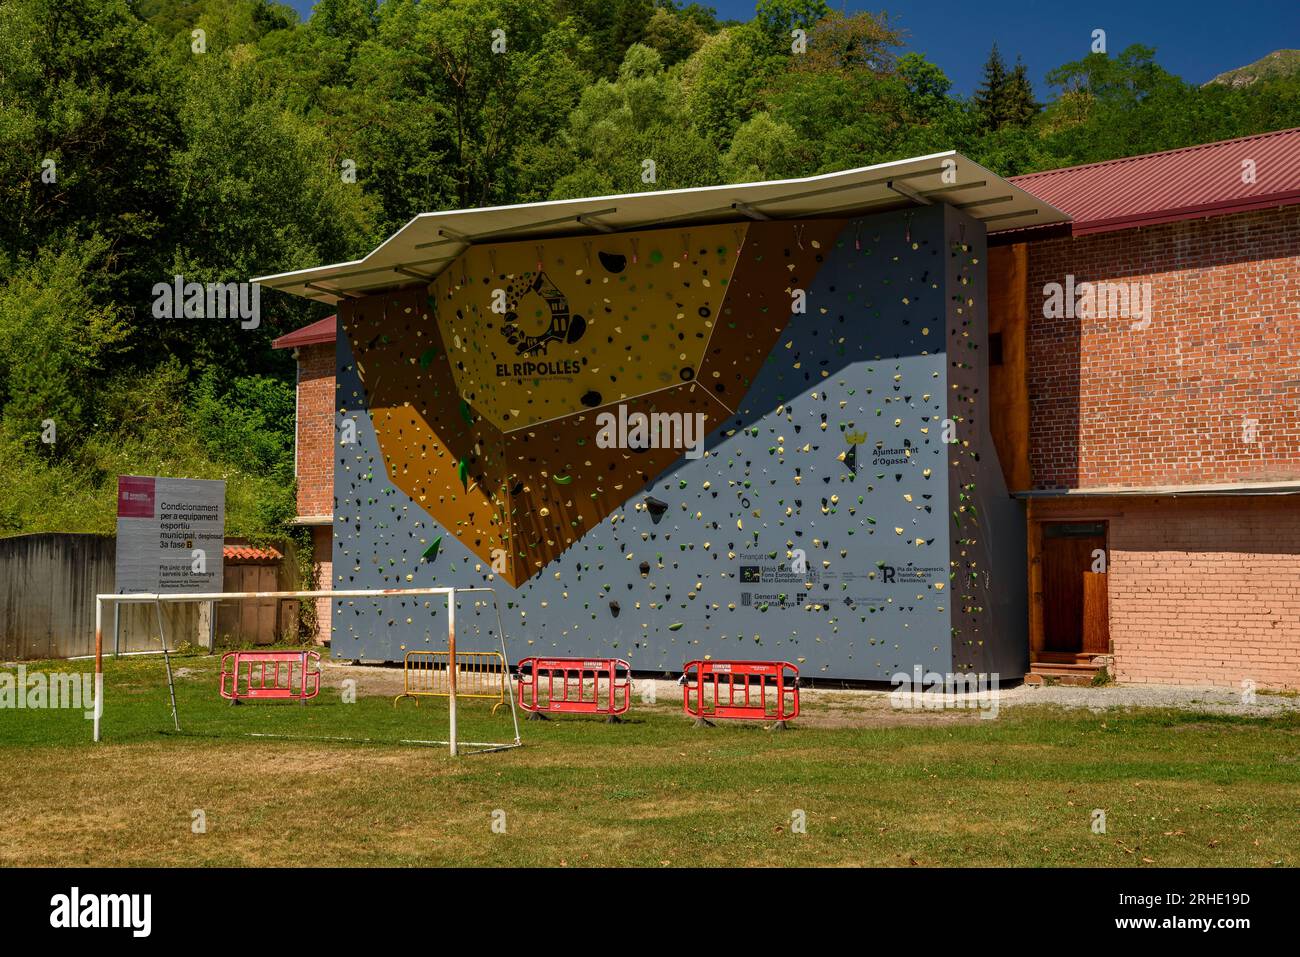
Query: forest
point(225, 139)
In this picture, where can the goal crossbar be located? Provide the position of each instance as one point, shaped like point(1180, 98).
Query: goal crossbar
point(158, 600)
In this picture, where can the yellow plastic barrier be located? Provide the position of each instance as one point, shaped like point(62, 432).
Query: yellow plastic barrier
point(479, 674)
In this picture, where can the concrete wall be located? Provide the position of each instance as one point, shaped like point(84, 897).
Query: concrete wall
point(48, 584)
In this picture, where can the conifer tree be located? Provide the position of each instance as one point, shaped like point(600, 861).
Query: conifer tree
point(990, 97)
point(1020, 107)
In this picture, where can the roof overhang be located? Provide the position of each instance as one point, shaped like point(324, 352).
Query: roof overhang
point(319, 332)
point(430, 242)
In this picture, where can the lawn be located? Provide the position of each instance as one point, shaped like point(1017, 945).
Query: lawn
point(923, 790)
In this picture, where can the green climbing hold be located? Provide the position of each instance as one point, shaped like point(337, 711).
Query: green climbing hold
point(465, 413)
point(463, 471)
point(675, 626)
point(427, 357)
point(562, 479)
point(431, 552)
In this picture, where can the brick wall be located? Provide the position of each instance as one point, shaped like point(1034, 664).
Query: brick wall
point(1206, 591)
point(316, 462)
point(316, 429)
point(322, 540)
point(1171, 403)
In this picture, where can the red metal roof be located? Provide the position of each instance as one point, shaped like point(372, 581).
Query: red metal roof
point(250, 553)
point(316, 333)
point(1177, 184)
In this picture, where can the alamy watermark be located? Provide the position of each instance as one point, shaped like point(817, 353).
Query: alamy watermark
point(42, 690)
point(931, 691)
point(127, 911)
point(1098, 300)
point(179, 299)
point(657, 430)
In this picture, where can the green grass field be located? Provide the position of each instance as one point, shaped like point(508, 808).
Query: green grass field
point(938, 789)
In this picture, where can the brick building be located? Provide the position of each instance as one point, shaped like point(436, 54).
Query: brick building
point(313, 347)
point(1172, 441)
point(1145, 400)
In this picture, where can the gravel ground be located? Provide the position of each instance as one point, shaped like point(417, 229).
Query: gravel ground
point(848, 707)
point(1215, 700)
point(1188, 698)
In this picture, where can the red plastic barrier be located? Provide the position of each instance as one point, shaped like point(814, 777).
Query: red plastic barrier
point(575, 685)
point(244, 674)
point(756, 690)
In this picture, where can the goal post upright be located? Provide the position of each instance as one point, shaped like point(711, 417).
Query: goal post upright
point(116, 600)
point(451, 666)
point(99, 661)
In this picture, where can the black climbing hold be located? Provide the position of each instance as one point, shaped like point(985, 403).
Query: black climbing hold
point(614, 262)
point(591, 399)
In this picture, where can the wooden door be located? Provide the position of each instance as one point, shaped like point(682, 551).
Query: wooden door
point(249, 621)
point(1074, 610)
point(1096, 614)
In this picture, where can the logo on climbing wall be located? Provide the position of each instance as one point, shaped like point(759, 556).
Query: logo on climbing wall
point(909, 575)
point(561, 326)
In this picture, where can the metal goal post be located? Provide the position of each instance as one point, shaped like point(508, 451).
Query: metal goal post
point(113, 600)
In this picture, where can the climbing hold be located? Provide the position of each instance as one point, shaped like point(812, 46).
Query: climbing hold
point(613, 262)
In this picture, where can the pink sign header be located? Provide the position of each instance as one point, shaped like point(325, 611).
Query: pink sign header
point(135, 497)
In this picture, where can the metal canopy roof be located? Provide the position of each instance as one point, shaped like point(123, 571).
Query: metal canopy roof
point(426, 245)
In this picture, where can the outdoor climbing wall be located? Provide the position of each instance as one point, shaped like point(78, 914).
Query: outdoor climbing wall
point(827, 522)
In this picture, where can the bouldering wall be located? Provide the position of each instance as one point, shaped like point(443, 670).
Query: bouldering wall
point(847, 513)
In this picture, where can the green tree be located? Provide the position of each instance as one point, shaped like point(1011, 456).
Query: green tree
point(498, 102)
point(618, 126)
point(353, 21)
point(674, 36)
point(609, 27)
point(1020, 106)
point(765, 148)
point(258, 188)
point(57, 337)
point(776, 19)
point(991, 96)
point(725, 80)
point(86, 128)
point(842, 97)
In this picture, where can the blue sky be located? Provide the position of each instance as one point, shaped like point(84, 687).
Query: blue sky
point(1195, 39)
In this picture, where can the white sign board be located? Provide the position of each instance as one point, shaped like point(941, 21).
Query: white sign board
point(170, 533)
